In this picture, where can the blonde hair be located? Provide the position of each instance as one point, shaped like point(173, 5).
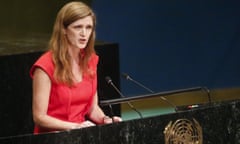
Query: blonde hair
point(68, 14)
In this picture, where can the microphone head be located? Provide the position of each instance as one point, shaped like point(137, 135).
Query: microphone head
point(126, 76)
point(108, 79)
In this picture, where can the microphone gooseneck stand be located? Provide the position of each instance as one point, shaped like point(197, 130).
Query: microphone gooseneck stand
point(109, 81)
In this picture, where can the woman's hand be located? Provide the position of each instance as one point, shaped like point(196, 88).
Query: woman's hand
point(108, 120)
point(84, 125)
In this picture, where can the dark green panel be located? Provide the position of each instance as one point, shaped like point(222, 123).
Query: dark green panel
point(26, 25)
point(28, 16)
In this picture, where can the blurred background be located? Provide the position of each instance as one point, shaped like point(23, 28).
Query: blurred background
point(174, 44)
point(163, 44)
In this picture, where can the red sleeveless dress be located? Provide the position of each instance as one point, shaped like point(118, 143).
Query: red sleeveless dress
point(68, 103)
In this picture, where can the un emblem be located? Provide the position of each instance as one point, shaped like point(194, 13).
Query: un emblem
point(183, 131)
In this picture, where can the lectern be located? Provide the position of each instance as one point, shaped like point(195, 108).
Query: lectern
point(219, 122)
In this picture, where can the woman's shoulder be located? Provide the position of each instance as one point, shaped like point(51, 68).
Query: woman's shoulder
point(94, 59)
point(45, 56)
point(45, 59)
point(44, 62)
point(94, 56)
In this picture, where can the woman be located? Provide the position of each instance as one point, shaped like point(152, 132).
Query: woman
point(65, 77)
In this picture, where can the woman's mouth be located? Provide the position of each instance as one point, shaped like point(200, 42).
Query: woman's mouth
point(82, 41)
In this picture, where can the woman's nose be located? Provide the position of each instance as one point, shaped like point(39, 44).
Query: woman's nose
point(83, 32)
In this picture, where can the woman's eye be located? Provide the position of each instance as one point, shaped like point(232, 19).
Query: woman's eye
point(89, 27)
point(78, 27)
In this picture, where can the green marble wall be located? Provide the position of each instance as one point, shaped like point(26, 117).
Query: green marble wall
point(26, 25)
point(28, 16)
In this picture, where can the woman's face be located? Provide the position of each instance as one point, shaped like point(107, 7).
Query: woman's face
point(78, 32)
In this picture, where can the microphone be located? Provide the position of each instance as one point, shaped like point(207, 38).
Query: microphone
point(127, 77)
point(109, 81)
point(111, 112)
point(205, 89)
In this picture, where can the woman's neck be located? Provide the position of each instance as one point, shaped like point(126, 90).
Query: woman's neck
point(76, 70)
point(74, 53)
